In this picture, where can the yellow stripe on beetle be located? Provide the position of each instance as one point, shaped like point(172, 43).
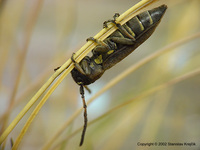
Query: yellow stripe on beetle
point(140, 23)
point(150, 18)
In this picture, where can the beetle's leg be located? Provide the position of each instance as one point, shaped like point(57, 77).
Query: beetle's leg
point(76, 65)
point(85, 114)
point(92, 39)
point(119, 26)
point(116, 15)
point(96, 41)
point(122, 40)
point(105, 24)
point(102, 47)
point(123, 30)
point(84, 67)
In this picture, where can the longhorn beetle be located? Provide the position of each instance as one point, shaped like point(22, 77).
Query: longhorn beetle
point(113, 49)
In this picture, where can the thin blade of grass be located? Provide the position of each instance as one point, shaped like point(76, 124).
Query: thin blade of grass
point(37, 109)
point(28, 33)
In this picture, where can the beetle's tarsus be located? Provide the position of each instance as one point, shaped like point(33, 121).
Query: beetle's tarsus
point(78, 67)
point(116, 15)
point(72, 58)
point(91, 39)
point(94, 40)
point(112, 21)
point(105, 24)
point(56, 68)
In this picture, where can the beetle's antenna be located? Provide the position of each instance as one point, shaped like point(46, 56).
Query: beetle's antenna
point(85, 114)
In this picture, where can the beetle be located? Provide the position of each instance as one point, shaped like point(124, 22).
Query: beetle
point(113, 49)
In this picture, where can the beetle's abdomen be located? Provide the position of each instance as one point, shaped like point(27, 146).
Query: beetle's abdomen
point(141, 28)
point(143, 21)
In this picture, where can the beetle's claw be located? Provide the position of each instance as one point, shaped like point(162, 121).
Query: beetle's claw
point(56, 68)
point(94, 40)
point(72, 58)
point(116, 16)
point(105, 24)
point(91, 39)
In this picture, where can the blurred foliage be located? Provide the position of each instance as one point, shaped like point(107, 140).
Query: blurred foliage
point(37, 36)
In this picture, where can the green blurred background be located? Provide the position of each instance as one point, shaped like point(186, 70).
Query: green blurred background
point(37, 36)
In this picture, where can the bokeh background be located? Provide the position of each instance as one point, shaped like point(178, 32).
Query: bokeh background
point(37, 36)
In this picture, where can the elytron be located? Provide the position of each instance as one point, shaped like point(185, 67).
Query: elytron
point(113, 49)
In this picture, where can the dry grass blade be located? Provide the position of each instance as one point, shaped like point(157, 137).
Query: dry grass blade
point(66, 68)
point(28, 33)
point(120, 77)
